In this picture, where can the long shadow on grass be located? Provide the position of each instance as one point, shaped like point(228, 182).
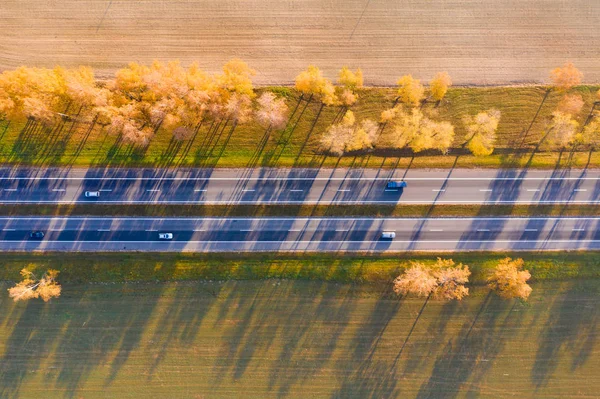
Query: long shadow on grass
point(571, 328)
point(467, 359)
point(366, 376)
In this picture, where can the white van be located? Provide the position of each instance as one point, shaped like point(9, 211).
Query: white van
point(92, 194)
point(388, 235)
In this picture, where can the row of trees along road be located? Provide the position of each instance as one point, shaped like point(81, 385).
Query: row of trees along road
point(142, 99)
point(443, 280)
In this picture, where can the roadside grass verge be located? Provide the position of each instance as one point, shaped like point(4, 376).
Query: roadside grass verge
point(79, 144)
point(300, 210)
point(381, 269)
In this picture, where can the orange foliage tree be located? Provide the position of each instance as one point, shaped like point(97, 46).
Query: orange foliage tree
point(32, 287)
point(509, 280)
point(566, 76)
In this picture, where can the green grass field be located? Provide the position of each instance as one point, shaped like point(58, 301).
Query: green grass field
point(78, 144)
point(298, 339)
point(378, 269)
point(301, 210)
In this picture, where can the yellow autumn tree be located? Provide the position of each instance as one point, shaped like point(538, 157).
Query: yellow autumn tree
point(566, 76)
point(439, 85)
point(443, 280)
point(272, 112)
point(509, 280)
point(481, 131)
point(571, 104)
point(590, 137)
point(414, 130)
point(560, 132)
point(348, 135)
point(312, 82)
point(410, 90)
point(32, 287)
point(451, 280)
point(349, 82)
point(416, 280)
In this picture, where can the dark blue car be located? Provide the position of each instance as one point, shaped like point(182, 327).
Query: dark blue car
point(36, 235)
point(396, 185)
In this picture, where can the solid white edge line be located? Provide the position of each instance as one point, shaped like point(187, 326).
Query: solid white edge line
point(292, 241)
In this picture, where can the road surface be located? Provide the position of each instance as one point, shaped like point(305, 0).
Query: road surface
point(299, 234)
point(298, 186)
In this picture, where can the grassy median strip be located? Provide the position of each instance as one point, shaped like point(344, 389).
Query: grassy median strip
point(75, 144)
point(300, 210)
point(121, 267)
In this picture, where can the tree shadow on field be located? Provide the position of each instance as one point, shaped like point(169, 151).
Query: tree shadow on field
point(307, 327)
point(571, 330)
point(182, 318)
point(365, 376)
point(25, 346)
point(469, 358)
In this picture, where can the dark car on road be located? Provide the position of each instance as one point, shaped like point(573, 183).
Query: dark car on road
point(36, 235)
point(395, 185)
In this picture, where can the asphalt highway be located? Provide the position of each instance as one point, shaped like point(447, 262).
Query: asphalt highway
point(299, 234)
point(298, 186)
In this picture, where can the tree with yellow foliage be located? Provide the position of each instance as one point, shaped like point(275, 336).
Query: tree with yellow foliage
point(349, 136)
point(451, 280)
point(560, 132)
point(32, 287)
point(416, 280)
point(566, 76)
point(33, 93)
point(571, 104)
point(439, 85)
point(481, 132)
point(590, 137)
point(311, 82)
point(509, 280)
point(410, 90)
point(414, 130)
point(443, 280)
point(272, 112)
point(350, 82)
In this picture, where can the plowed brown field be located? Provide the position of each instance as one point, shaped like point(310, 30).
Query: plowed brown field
point(476, 41)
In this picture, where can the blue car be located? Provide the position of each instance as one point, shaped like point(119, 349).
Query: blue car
point(36, 235)
point(396, 185)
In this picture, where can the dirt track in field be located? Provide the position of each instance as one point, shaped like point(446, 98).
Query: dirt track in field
point(476, 41)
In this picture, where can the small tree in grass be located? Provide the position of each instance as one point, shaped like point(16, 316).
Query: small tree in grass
point(571, 104)
point(481, 130)
point(439, 85)
point(410, 90)
point(30, 287)
point(416, 280)
point(444, 280)
point(566, 76)
point(509, 280)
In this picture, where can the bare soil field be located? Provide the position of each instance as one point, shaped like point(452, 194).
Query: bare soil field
point(480, 42)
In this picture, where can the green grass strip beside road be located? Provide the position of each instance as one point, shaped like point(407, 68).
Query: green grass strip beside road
point(525, 112)
point(300, 210)
point(125, 267)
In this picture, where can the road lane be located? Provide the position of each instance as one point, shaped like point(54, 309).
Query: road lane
point(298, 186)
point(300, 234)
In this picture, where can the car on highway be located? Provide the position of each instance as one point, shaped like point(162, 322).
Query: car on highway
point(92, 194)
point(395, 185)
point(36, 235)
point(388, 235)
point(165, 236)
